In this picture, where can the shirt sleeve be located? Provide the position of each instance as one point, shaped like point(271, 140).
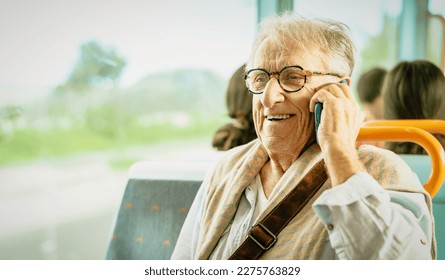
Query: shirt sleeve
point(364, 221)
point(188, 237)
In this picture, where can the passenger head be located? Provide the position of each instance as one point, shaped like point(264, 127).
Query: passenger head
point(414, 90)
point(238, 98)
point(316, 51)
point(239, 104)
point(368, 88)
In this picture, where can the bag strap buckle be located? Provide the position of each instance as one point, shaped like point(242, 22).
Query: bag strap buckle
point(262, 236)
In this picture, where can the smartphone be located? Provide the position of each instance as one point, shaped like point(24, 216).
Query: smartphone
point(317, 112)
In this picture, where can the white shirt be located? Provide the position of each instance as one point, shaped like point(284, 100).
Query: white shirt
point(251, 205)
point(355, 214)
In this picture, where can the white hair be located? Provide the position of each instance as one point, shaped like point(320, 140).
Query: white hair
point(292, 31)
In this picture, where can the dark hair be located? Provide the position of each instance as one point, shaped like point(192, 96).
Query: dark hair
point(370, 84)
point(414, 90)
point(239, 105)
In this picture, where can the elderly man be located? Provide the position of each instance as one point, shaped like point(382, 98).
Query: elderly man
point(370, 207)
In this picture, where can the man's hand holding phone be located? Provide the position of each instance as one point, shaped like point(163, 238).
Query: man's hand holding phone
point(339, 125)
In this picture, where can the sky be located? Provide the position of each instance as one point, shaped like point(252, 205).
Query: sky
point(40, 39)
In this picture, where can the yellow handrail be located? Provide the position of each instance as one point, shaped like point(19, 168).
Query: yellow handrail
point(413, 131)
point(432, 126)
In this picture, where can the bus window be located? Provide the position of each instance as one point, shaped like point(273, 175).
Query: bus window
point(435, 43)
point(88, 89)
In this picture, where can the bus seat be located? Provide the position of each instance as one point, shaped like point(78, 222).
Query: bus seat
point(421, 164)
point(156, 201)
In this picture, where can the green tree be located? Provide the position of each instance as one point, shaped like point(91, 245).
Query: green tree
point(10, 114)
point(96, 67)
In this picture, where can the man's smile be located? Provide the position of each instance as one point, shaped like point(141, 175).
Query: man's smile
point(279, 117)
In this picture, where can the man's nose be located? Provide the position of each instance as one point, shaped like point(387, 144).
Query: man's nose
point(272, 94)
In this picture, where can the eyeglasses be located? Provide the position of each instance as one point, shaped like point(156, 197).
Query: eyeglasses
point(290, 78)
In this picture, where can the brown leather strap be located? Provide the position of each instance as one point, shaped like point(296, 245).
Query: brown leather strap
point(263, 235)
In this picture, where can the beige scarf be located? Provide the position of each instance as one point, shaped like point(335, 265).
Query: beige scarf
point(305, 236)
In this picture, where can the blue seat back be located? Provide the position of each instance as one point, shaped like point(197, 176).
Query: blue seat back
point(150, 218)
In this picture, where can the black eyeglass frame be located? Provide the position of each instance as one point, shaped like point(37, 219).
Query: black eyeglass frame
point(278, 73)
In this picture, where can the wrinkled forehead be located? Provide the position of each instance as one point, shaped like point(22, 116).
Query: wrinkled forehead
point(273, 55)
